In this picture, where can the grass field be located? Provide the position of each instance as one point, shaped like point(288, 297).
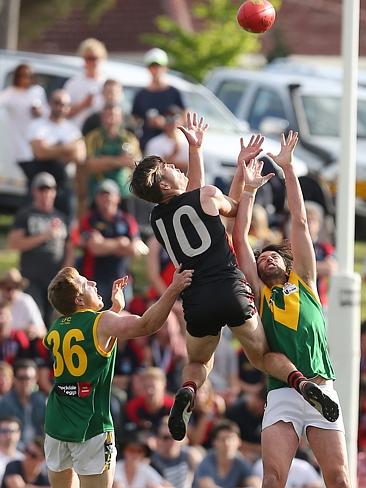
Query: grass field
point(10, 258)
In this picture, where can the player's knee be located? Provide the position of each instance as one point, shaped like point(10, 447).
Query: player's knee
point(273, 478)
point(337, 476)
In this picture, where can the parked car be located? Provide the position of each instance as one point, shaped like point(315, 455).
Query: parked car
point(315, 68)
point(272, 102)
point(221, 143)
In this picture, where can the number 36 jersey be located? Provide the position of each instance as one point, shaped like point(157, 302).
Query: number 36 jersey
point(78, 405)
point(194, 239)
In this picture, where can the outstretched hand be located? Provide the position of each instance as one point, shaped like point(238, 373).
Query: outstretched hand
point(117, 297)
point(194, 131)
point(252, 150)
point(253, 174)
point(284, 157)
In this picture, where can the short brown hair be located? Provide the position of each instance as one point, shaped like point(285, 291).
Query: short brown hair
point(146, 178)
point(63, 290)
point(224, 425)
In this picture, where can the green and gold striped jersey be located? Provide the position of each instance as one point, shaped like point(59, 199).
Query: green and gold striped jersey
point(78, 406)
point(294, 324)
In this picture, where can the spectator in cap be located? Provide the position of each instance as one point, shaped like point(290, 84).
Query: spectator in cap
point(111, 152)
point(171, 144)
point(85, 88)
point(24, 310)
point(151, 103)
point(109, 238)
point(40, 234)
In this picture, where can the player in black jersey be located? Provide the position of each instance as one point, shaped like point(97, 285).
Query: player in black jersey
point(187, 223)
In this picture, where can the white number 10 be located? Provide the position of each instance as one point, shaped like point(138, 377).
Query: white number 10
point(184, 244)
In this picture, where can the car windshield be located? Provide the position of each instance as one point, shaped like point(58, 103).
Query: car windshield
point(215, 115)
point(323, 115)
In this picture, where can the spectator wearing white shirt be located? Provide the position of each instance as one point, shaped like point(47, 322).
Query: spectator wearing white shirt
point(85, 89)
point(301, 475)
point(24, 310)
point(23, 100)
point(57, 144)
point(171, 144)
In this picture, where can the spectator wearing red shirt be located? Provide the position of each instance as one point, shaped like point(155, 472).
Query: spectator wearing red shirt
point(110, 237)
point(146, 411)
point(14, 344)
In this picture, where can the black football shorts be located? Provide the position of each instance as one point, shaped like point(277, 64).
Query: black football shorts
point(210, 307)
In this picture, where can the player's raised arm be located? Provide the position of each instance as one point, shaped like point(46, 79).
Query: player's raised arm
point(301, 243)
point(129, 327)
point(252, 175)
point(246, 153)
point(194, 133)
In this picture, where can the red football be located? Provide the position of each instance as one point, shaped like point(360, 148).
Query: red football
point(256, 15)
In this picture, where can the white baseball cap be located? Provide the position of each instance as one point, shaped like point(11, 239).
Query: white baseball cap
point(156, 56)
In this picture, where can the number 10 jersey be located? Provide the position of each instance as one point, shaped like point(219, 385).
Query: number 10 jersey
point(194, 239)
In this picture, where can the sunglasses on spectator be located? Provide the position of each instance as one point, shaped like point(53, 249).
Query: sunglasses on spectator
point(91, 58)
point(9, 431)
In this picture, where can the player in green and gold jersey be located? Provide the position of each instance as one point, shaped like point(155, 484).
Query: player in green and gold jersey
point(83, 341)
point(283, 279)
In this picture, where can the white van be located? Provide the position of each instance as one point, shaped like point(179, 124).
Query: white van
point(272, 101)
point(221, 143)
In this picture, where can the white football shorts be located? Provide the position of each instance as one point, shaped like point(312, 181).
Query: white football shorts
point(93, 456)
point(288, 405)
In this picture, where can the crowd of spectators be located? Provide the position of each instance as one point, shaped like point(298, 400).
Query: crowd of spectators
point(77, 152)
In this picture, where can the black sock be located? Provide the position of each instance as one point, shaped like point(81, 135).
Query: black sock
point(295, 378)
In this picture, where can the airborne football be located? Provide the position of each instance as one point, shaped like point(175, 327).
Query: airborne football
point(256, 16)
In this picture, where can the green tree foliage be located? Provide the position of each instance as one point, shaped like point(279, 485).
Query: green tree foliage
point(219, 42)
point(37, 16)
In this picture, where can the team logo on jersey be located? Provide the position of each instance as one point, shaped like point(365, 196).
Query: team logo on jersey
point(289, 288)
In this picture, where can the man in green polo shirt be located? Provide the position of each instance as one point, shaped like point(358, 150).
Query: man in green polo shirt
point(111, 152)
